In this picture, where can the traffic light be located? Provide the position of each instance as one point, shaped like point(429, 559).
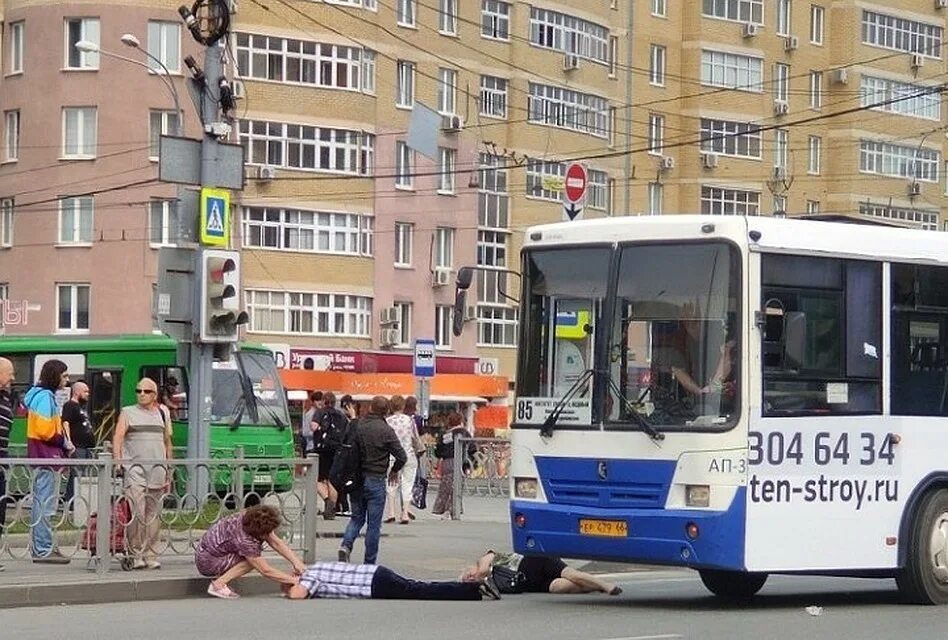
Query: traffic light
point(221, 316)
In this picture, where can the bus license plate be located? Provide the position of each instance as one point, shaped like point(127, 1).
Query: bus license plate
point(262, 478)
point(608, 528)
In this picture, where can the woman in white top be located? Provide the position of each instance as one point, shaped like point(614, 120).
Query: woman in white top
point(404, 428)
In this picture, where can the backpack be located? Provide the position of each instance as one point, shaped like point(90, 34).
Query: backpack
point(346, 469)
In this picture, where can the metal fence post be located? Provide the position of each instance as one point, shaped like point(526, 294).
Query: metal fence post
point(458, 483)
point(310, 507)
point(103, 507)
point(238, 477)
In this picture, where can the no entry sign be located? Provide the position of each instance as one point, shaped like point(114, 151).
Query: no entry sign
point(574, 191)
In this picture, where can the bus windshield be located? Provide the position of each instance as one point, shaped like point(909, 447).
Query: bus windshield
point(237, 399)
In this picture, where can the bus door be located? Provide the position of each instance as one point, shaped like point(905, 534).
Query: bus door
point(105, 401)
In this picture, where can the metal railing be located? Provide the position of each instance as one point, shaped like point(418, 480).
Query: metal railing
point(107, 507)
point(480, 469)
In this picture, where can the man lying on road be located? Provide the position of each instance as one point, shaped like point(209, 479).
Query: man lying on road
point(514, 573)
point(344, 580)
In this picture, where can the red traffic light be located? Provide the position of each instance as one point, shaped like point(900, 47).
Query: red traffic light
point(218, 267)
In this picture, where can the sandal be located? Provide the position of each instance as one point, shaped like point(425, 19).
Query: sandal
point(389, 520)
point(225, 592)
point(404, 521)
point(411, 516)
point(615, 591)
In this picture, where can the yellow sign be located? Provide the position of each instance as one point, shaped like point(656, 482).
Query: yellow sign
point(571, 325)
point(215, 216)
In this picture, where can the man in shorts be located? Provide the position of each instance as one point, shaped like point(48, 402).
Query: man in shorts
point(539, 574)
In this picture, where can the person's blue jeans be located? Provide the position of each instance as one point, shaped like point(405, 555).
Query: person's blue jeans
point(367, 504)
point(45, 497)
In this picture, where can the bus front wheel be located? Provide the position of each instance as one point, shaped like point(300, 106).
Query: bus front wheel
point(924, 579)
point(733, 585)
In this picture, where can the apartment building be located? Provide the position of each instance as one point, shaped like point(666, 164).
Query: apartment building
point(351, 237)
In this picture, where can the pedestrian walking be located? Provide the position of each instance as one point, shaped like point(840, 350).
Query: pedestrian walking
point(76, 424)
point(375, 442)
point(341, 580)
point(444, 503)
point(7, 375)
point(143, 432)
point(233, 547)
point(329, 426)
point(399, 491)
point(46, 438)
point(350, 411)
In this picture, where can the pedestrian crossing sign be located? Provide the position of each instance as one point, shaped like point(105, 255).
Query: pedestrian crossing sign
point(215, 216)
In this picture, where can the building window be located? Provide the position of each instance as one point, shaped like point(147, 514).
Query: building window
point(568, 109)
point(405, 89)
point(443, 326)
point(11, 136)
point(76, 220)
point(897, 161)
point(815, 149)
point(447, 91)
point(816, 89)
point(404, 162)
point(914, 100)
point(368, 71)
point(721, 201)
point(444, 247)
point(493, 97)
point(164, 43)
point(17, 34)
point(780, 205)
point(164, 222)
point(781, 148)
point(782, 82)
point(655, 197)
point(72, 308)
point(404, 236)
point(925, 219)
point(497, 326)
point(900, 34)
point(816, 24)
point(294, 146)
point(738, 139)
point(656, 134)
point(406, 12)
point(306, 62)
point(446, 171)
point(812, 207)
point(495, 19)
point(656, 67)
point(783, 17)
point(541, 178)
point(81, 30)
point(493, 198)
point(613, 55)
point(6, 222)
point(597, 190)
point(308, 231)
point(731, 71)
point(160, 123)
point(307, 313)
point(739, 10)
point(569, 34)
point(660, 8)
point(79, 132)
point(448, 22)
point(404, 323)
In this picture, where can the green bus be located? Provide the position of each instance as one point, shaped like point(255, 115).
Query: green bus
point(249, 410)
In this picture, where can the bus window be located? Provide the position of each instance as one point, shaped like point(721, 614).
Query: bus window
point(105, 402)
point(172, 388)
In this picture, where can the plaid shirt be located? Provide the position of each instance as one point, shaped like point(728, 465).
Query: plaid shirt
point(338, 580)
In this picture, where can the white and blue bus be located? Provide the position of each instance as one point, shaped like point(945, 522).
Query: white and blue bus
point(742, 396)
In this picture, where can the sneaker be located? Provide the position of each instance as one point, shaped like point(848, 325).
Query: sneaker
point(225, 592)
point(329, 512)
point(152, 564)
point(489, 590)
point(138, 564)
point(344, 554)
point(54, 557)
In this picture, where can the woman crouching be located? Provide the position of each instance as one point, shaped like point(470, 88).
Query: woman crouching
point(233, 546)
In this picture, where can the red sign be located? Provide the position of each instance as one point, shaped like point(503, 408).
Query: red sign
point(576, 182)
point(371, 362)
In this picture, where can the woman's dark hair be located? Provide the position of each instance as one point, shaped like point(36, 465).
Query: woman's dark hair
point(260, 521)
point(411, 404)
point(455, 420)
point(345, 401)
point(51, 375)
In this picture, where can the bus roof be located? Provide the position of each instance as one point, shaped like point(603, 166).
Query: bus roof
point(77, 343)
point(778, 235)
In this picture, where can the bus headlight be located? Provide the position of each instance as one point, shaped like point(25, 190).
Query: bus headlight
point(526, 488)
point(697, 495)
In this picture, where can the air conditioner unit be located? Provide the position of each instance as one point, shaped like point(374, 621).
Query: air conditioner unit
point(918, 61)
point(470, 313)
point(388, 315)
point(667, 162)
point(570, 62)
point(781, 107)
point(841, 76)
point(780, 172)
point(266, 172)
point(941, 4)
point(240, 91)
point(389, 337)
point(791, 43)
point(452, 123)
point(441, 276)
point(709, 160)
point(750, 30)
point(914, 189)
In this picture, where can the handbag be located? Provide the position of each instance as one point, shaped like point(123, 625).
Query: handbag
point(507, 580)
point(419, 493)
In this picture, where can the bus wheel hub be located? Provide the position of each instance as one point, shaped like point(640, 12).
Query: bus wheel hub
point(939, 548)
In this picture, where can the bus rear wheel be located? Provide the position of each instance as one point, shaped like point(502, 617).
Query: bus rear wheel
point(924, 579)
point(733, 585)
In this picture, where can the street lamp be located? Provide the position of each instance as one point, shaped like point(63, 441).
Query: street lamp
point(131, 41)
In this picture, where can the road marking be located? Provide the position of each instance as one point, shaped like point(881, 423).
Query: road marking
point(666, 636)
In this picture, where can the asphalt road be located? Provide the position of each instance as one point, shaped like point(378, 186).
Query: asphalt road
point(663, 605)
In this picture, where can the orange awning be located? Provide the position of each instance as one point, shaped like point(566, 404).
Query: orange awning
point(389, 384)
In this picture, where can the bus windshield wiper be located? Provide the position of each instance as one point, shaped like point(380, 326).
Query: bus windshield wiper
point(238, 413)
point(550, 423)
point(639, 419)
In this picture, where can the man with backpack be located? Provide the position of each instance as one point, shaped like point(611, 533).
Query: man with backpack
point(365, 454)
point(328, 425)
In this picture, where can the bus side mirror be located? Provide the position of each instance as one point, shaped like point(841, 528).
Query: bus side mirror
point(463, 283)
point(794, 339)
